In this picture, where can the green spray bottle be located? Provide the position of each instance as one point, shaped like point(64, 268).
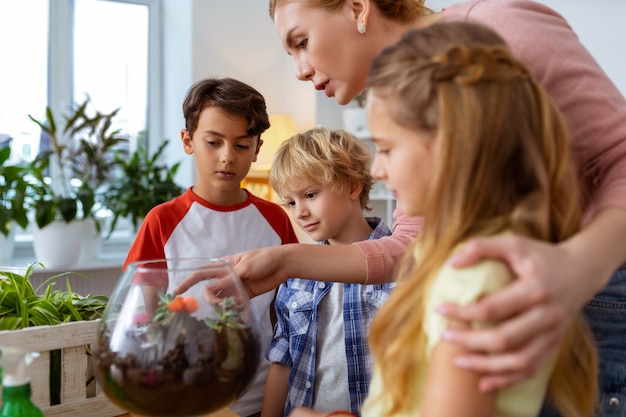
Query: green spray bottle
point(16, 396)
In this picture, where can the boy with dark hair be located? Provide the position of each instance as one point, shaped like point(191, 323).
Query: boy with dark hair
point(224, 120)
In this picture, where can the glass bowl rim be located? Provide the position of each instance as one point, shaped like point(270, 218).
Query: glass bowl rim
point(208, 262)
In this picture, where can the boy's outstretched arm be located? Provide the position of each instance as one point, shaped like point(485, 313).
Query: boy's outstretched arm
point(276, 388)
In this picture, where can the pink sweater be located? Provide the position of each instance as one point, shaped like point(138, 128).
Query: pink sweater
point(593, 107)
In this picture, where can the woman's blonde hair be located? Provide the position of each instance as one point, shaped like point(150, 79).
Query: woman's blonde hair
point(326, 157)
point(502, 154)
point(403, 11)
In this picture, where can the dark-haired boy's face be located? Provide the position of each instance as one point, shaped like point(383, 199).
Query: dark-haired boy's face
point(223, 152)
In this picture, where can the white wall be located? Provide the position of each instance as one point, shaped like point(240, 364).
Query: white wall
point(177, 76)
point(238, 39)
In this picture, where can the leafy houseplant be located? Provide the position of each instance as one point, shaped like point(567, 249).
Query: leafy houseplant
point(69, 177)
point(360, 98)
point(12, 193)
point(145, 183)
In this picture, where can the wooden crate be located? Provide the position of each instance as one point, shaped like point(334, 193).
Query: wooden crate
point(78, 399)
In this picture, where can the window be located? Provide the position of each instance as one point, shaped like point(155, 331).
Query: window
point(23, 73)
point(111, 60)
point(62, 50)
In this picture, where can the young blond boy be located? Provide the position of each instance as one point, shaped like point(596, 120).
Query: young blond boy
point(319, 352)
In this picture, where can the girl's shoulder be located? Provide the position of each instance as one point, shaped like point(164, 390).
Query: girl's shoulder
point(467, 284)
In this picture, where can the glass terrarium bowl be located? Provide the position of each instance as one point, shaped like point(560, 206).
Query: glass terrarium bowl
point(161, 354)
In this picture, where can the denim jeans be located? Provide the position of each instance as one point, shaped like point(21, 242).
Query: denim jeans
point(606, 314)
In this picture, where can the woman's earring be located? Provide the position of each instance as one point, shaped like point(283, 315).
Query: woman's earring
point(361, 28)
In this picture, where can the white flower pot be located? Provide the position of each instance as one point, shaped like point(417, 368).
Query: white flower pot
point(92, 241)
point(7, 245)
point(58, 245)
point(355, 122)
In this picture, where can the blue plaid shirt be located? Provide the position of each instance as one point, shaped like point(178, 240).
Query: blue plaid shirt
point(295, 333)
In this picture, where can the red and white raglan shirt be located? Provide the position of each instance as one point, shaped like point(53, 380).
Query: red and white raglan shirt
point(188, 226)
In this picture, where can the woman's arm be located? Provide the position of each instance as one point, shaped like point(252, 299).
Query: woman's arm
point(371, 261)
point(263, 269)
point(555, 281)
point(384, 255)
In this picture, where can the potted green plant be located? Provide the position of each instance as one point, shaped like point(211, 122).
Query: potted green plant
point(145, 181)
point(70, 177)
point(82, 156)
point(60, 325)
point(13, 211)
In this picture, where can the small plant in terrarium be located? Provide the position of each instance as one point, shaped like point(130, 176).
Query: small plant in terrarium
point(227, 316)
point(170, 304)
point(154, 346)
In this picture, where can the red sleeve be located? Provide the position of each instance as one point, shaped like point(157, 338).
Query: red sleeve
point(157, 228)
point(277, 219)
point(147, 244)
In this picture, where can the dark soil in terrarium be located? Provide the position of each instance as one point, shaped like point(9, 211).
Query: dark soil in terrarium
point(154, 371)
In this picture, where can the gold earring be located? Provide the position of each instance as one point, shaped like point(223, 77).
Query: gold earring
point(361, 28)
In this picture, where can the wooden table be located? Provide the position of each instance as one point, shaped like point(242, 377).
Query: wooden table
point(226, 412)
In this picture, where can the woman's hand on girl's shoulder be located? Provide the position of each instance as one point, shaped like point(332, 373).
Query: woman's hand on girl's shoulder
point(534, 310)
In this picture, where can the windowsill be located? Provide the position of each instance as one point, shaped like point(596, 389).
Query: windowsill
point(96, 276)
point(111, 255)
point(113, 261)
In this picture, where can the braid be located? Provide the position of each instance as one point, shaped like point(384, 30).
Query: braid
point(475, 63)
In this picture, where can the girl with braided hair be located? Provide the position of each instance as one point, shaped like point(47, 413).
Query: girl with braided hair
point(466, 138)
point(469, 140)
